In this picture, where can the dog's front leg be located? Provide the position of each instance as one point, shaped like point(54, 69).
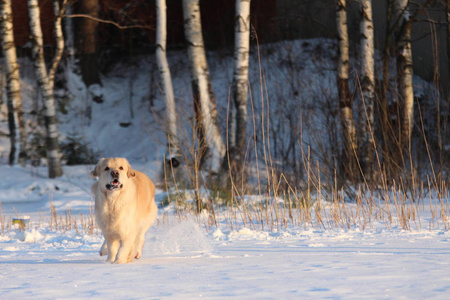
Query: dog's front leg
point(123, 256)
point(139, 245)
point(104, 249)
point(113, 248)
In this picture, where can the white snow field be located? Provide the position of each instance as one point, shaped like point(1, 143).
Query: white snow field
point(184, 260)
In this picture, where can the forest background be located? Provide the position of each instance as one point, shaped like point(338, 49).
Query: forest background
point(382, 130)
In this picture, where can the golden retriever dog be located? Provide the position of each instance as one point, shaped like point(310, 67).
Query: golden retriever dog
point(124, 208)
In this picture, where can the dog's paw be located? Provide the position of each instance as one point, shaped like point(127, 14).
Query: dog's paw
point(138, 255)
point(119, 262)
point(103, 250)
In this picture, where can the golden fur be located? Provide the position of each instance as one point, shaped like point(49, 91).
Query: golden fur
point(124, 208)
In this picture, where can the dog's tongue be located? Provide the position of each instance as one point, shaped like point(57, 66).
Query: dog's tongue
point(115, 182)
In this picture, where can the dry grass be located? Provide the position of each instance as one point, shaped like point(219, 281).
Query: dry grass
point(311, 192)
point(282, 206)
point(55, 221)
point(325, 208)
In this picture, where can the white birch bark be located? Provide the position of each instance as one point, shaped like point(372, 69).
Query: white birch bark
point(368, 85)
point(202, 89)
point(240, 78)
point(405, 69)
point(345, 100)
point(12, 80)
point(165, 76)
point(59, 39)
point(42, 77)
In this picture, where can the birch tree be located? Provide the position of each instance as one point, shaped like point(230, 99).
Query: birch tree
point(405, 75)
point(59, 39)
point(345, 99)
point(240, 83)
point(14, 98)
point(45, 81)
point(368, 87)
point(165, 76)
point(204, 102)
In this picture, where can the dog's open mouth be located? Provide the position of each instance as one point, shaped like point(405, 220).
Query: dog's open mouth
point(115, 184)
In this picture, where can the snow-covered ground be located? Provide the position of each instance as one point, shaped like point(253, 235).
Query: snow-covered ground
point(184, 260)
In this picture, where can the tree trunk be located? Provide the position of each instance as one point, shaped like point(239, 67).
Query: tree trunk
point(446, 140)
point(173, 160)
point(204, 102)
point(368, 88)
point(12, 84)
point(165, 76)
point(447, 10)
point(386, 124)
point(59, 39)
point(345, 99)
point(405, 78)
point(86, 43)
point(53, 153)
point(446, 107)
point(240, 85)
point(12, 130)
point(69, 31)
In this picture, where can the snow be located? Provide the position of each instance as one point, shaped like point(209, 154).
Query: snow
point(184, 257)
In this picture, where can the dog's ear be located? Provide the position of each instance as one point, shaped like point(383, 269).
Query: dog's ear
point(95, 172)
point(131, 172)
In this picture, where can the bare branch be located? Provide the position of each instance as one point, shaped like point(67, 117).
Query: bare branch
point(108, 22)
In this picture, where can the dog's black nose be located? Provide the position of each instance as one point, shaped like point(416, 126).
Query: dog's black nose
point(114, 173)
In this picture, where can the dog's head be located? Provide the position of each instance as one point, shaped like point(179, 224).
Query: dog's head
point(113, 173)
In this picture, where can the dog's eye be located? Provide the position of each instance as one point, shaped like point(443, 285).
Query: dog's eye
point(106, 169)
point(121, 168)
